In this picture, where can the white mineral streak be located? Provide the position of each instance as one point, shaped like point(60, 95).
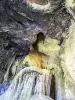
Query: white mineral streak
point(24, 84)
point(38, 7)
point(43, 83)
point(70, 52)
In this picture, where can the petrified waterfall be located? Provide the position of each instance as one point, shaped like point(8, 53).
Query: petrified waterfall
point(28, 84)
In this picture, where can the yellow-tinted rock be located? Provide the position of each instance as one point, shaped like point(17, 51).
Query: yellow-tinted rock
point(49, 46)
point(46, 71)
point(70, 3)
point(33, 59)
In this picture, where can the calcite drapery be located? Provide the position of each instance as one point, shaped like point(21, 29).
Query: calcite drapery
point(27, 83)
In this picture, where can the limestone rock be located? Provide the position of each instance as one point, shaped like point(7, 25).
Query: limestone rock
point(68, 63)
point(49, 46)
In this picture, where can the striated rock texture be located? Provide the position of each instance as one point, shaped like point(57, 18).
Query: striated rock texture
point(20, 21)
point(29, 84)
point(68, 63)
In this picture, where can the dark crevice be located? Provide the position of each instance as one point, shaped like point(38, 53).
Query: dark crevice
point(40, 37)
point(52, 89)
point(61, 41)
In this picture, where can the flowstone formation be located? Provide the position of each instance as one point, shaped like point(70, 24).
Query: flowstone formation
point(37, 49)
point(29, 84)
point(68, 62)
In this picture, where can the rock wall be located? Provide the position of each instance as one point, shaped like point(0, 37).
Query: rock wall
point(68, 62)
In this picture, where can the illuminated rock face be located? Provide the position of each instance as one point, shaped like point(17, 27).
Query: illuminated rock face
point(68, 63)
point(62, 62)
point(70, 5)
point(70, 51)
point(34, 59)
point(49, 46)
